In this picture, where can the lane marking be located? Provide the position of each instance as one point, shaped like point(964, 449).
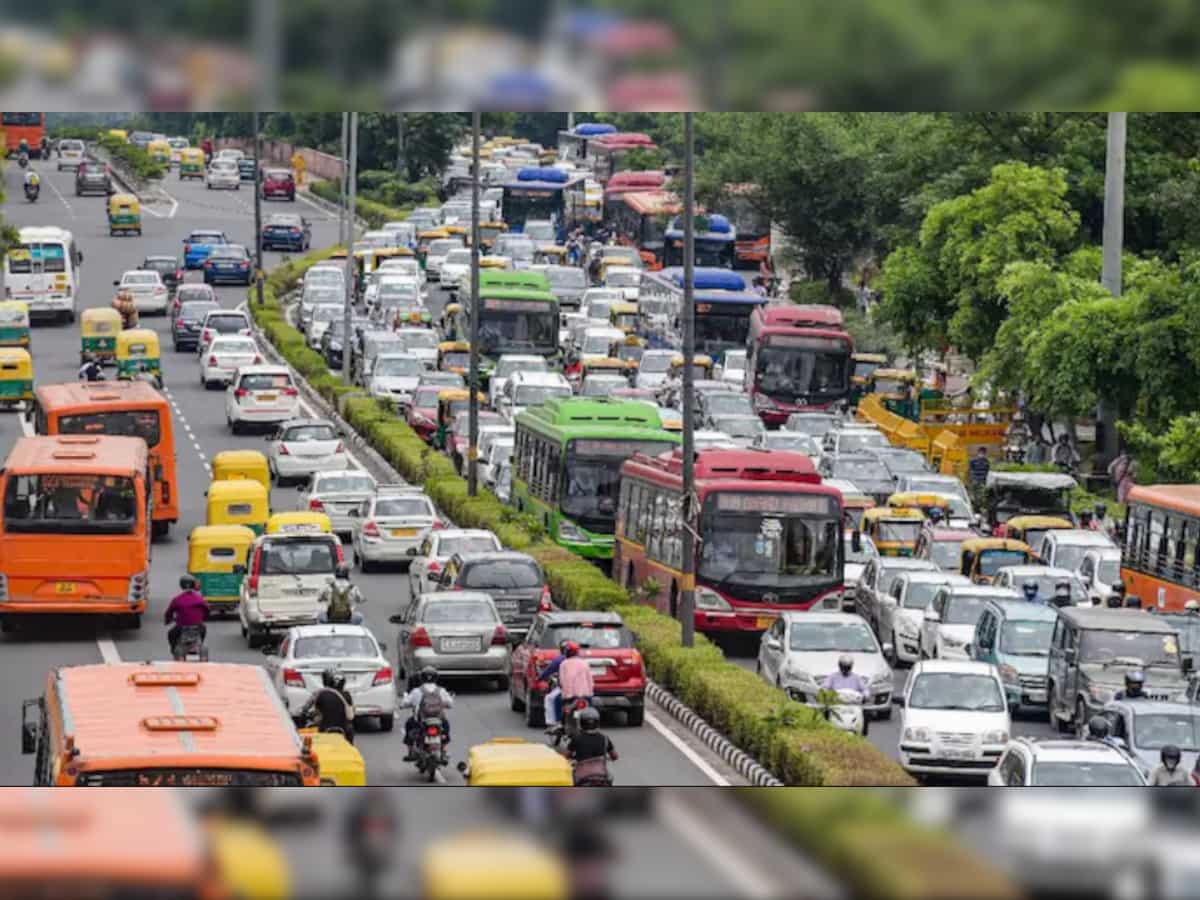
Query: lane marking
point(678, 743)
point(57, 193)
point(304, 198)
point(108, 650)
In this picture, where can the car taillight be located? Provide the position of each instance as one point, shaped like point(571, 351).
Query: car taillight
point(244, 264)
point(208, 264)
point(544, 604)
point(212, 360)
point(290, 392)
point(239, 393)
point(438, 524)
point(187, 248)
point(292, 678)
point(420, 638)
point(254, 569)
point(161, 289)
point(341, 556)
point(383, 676)
point(179, 274)
point(316, 505)
point(295, 231)
point(283, 450)
point(370, 529)
point(500, 636)
point(207, 336)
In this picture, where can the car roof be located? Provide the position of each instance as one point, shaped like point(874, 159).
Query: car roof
point(953, 667)
point(908, 562)
point(1158, 707)
point(549, 378)
point(1020, 608)
point(844, 618)
point(494, 556)
point(1067, 750)
point(1105, 619)
point(1025, 571)
point(264, 369)
point(930, 576)
point(303, 420)
point(330, 629)
point(438, 596)
point(983, 590)
point(577, 617)
point(1079, 536)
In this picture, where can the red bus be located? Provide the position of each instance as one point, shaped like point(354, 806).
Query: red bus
point(604, 153)
point(624, 183)
point(640, 219)
point(30, 126)
point(753, 226)
point(769, 535)
point(799, 359)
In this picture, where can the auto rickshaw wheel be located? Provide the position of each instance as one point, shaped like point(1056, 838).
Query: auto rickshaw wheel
point(387, 722)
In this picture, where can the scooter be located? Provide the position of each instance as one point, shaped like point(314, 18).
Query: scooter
point(190, 646)
point(430, 748)
point(569, 728)
point(32, 191)
point(846, 714)
point(592, 772)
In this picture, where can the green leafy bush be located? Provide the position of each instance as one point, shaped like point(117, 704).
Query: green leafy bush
point(132, 158)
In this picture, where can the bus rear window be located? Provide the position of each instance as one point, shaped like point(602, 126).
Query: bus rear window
point(143, 423)
point(70, 504)
point(189, 778)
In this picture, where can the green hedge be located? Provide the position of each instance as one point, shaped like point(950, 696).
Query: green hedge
point(371, 210)
point(787, 737)
point(136, 160)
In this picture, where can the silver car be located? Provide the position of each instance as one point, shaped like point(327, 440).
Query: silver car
point(438, 547)
point(875, 584)
point(336, 494)
point(391, 522)
point(460, 634)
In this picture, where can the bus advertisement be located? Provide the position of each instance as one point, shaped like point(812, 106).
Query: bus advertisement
point(23, 126)
point(723, 308)
point(518, 314)
point(752, 226)
point(768, 536)
point(605, 153)
point(572, 145)
point(713, 239)
point(623, 183)
point(799, 359)
point(567, 465)
point(538, 194)
point(42, 271)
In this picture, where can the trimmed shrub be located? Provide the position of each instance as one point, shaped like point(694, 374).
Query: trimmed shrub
point(132, 158)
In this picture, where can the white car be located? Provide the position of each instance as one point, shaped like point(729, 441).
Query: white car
point(745, 430)
point(403, 233)
point(900, 620)
point(323, 315)
point(223, 173)
point(713, 440)
point(335, 494)
point(314, 295)
point(401, 265)
point(525, 389)
point(70, 154)
point(146, 287)
point(394, 376)
point(1065, 547)
point(1064, 763)
point(224, 356)
point(177, 145)
point(801, 649)
point(454, 265)
point(329, 274)
point(391, 522)
point(506, 366)
point(733, 367)
point(233, 154)
point(437, 547)
point(653, 368)
point(421, 343)
point(498, 452)
point(597, 302)
point(302, 447)
point(1046, 578)
point(955, 719)
point(597, 342)
point(260, 395)
point(625, 279)
point(438, 250)
point(950, 619)
point(600, 384)
point(308, 650)
point(222, 322)
point(856, 560)
point(1100, 571)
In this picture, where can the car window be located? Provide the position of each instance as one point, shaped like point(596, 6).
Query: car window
point(141, 278)
point(607, 636)
point(956, 691)
point(227, 323)
point(504, 573)
point(452, 611)
point(403, 506)
point(828, 637)
point(265, 381)
point(196, 310)
point(341, 646)
point(1084, 774)
point(308, 433)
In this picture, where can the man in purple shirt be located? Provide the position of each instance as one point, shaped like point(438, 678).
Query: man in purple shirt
point(188, 608)
point(844, 679)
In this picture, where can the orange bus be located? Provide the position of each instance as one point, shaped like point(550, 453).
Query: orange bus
point(28, 125)
point(72, 844)
point(129, 408)
point(1159, 558)
point(75, 527)
point(164, 725)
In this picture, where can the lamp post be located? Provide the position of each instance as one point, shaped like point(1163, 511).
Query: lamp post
point(687, 608)
point(258, 237)
point(473, 380)
point(351, 170)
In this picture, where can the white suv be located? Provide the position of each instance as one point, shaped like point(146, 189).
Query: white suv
point(260, 395)
point(526, 389)
point(1028, 762)
point(283, 582)
point(70, 154)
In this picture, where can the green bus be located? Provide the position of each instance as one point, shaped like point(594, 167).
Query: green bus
point(567, 465)
point(518, 314)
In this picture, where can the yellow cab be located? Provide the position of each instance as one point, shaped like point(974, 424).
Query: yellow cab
point(252, 865)
point(983, 557)
point(427, 237)
point(238, 502)
point(493, 261)
point(702, 367)
point(624, 316)
point(16, 376)
point(923, 502)
point(1031, 529)
point(894, 531)
point(124, 214)
point(14, 323)
point(214, 552)
point(515, 762)
point(98, 330)
point(191, 163)
point(229, 465)
point(341, 763)
point(492, 865)
point(299, 522)
point(159, 151)
point(488, 232)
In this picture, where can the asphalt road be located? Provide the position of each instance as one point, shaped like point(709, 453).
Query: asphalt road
point(658, 753)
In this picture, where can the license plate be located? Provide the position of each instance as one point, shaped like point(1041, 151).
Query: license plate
point(458, 645)
point(764, 622)
point(1036, 696)
point(507, 609)
point(598, 668)
point(958, 754)
point(404, 532)
point(64, 587)
point(266, 398)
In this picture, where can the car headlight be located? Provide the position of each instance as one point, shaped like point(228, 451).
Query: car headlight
point(1009, 674)
point(953, 641)
point(906, 628)
point(1100, 693)
point(1000, 736)
point(918, 735)
point(798, 675)
point(881, 678)
point(709, 600)
point(569, 532)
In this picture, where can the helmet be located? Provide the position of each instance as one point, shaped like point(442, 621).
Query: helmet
point(1135, 680)
point(188, 583)
point(1097, 728)
point(1171, 756)
point(1062, 587)
point(935, 514)
point(570, 648)
point(428, 675)
point(589, 719)
point(1030, 588)
point(845, 663)
point(342, 571)
point(332, 677)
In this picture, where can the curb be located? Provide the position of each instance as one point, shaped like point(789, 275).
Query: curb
point(739, 760)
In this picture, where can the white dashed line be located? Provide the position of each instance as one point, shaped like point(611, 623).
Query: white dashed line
point(59, 195)
point(188, 429)
point(710, 843)
point(108, 650)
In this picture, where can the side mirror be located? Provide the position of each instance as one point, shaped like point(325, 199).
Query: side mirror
point(932, 615)
point(462, 769)
point(773, 643)
point(412, 551)
point(897, 700)
point(1189, 663)
point(970, 650)
point(1070, 656)
point(31, 714)
point(239, 570)
point(117, 283)
point(856, 541)
point(396, 619)
point(887, 648)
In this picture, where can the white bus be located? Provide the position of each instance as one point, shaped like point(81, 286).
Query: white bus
point(42, 271)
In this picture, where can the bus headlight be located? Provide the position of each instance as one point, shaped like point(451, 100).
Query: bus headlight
point(710, 601)
point(568, 531)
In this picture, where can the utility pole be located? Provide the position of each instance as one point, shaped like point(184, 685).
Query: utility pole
point(268, 51)
point(1110, 273)
point(351, 179)
point(259, 275)
point(570, 121)
point(400, 139)
point(473, 380)
point(687, 609)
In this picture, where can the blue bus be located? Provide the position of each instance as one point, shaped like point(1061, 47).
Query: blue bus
point(539, 193)
point(715, 242)
point(572, 145)
point(723, 308)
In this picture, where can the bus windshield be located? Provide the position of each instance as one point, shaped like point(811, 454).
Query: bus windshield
point(521, 205)
point(721, 326)
point(801, 367)
point(593, 478)
point(143, 423)
point(70, 504)
point(532, 325)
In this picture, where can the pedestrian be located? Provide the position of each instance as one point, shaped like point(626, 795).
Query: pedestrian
point(1121, 474)
point(979, 467)
point(1065, 456)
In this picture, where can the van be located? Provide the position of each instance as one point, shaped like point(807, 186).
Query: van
point(284, 581)
point(1014, 636)
point(1064, 547)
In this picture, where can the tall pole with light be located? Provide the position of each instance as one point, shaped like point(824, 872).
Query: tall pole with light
point(687, 607)
point(259, 275)
point(473, 380)
point(351, 188)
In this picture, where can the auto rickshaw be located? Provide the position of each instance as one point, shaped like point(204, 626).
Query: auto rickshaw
point(16, 376)
point(488, 232)
point(514, 762)
point(894, 531)
point(454, 356)
point(451, 402)
point(702, 367)
point(550, 255)
point(492, 865)
point(923, 502)
point(864, 365)
point(248, 863)
point(137, 352)
point(624, 316)
point(98, 328)
point(492, 261)
point(983, 557)
point(896, 389)
point(213, 552)
point(630, 349)
point(299, 522)
point(124, 214)
point(234, 465)
point(341, 763)
point(160, 152)
point(461, 231)
point(191, 163)
point(1011, 494)
point(1031, 529)
point(448, 324)
point(238, 502)
point(670, 419)
point(427, 237)
point(14, 324)
point(119, 133)
point(607, 365)
point(854, 507)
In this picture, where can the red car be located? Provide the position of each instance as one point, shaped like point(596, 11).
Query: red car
point(617, 668)
point(278, 183)
point(422, 414)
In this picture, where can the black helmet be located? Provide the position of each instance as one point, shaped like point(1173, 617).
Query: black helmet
point(188, 583)
point(589, 719)
point(341, 571)
point(332, 677)
point(1135, 680)
point(845, 663)
point(1171, 756)
point(935, 514)
point(1097, 728)
point(428, 675)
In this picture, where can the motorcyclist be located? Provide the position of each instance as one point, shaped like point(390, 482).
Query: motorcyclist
point(590, 744)
point(1135, 686)
point(33, 184)
point(845, 678)
point(1170, 773)
point(428, 700)
point(1065, 456)
point(45, 147)
point(186, 609)
point(1085, 520)
point(1062, 594)
point(1098, 730)
point(340, 599)
point(1030, 589)
point(91, 370)
point(553, 698)
point(123, 303)
point(331, 708)
point(575, 678)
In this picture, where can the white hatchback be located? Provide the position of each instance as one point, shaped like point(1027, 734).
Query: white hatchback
point(146, 287)
point(303, 447)
point(261, 395)
point(225, 355)
point(223, 173)
point(70, 154)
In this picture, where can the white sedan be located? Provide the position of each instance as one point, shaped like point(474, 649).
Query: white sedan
point(303, 447)
point(224, 356)
point(308, 650)
point(146, 287)
point(223, 173)
point(438, 546)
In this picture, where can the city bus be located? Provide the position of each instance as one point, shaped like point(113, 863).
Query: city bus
point(567, 465)
point(129, 408)
point(1159, 558)
point(752, 226)
point(76, 527)
point(42, 271)
point(640, 220)
point(538, 194)
point(518, 314)
point(723, 308)
point(713, 238)
point(604, 154)
point(630, 182)
point(799, 359)
point(156, 724)
point(768, 535)
point(572, 145)
point(27, 126)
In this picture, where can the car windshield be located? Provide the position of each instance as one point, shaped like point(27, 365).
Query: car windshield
point(323, 276)
point(597, 311)
point(163, 264)
point(285, 221)
point(228, 251)
point(196, 310)
point(70, 504)
point(475, 543)
point(537, 394)
point(317, 295)
point(828, 637)
point(601, 385)
point(992, 561)
point(901, 531)
point(227, 323)
point(742, 426)
point(866, 469)
point(1109, 571)
point(859, 441)
point(334, 646)
point(507, 365)
point(901, 461)
point(1069, 556)
point(623, 279)
point(919, 594)
point(956, 691)
point(403, 506)
point(426, 397)
point(596, 344)
point(963, 609)
point(594, 636)
point(540, 231)
point(1130, 648)
point(232, 345)
point(344, 484)
point(501, 574)
point(1153, 731)
point(935, 485)
point(303, 434)
point(718, 404)
point(782, 440)
point(418, 339)
point(1079, 774)
point(1029, 638)
point(206, 237)
point(568, 277)
point(398, 367)
point(314, 556)
point(467, 612)
point(442, 246)
point(946, 554)
point(457, 257)
point(810, 424)
point(522, 250)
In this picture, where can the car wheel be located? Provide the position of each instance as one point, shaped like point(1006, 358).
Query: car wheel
point(634, 716)
point(235, 427)
point(365, 564)
point(886, 715)
point(894, 656)
point(535, 713)
point(254, 640)
point(502, 683)
point(387, 722)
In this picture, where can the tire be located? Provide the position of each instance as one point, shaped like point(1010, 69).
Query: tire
point(502, 683)
point(635, 716)
point(365, 564)
point(160, 529)
point(535, 713)
point(515, 703)
point(133, 622)
point(387, 722)
point(1080, 720)
point(886, 715)
point(894, 661)
point(235, 427)
point(254, 640)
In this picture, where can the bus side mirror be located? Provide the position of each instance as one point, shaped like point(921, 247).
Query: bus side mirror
point(856, 541)
point(31, 714)
point(1189, 663)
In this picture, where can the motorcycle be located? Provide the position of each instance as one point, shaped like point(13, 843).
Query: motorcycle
point(592, 772)
point(32, 190)
point(568, 729)
point(190, 646)
point(843, 709)
point(23, 160)
point(430, 749)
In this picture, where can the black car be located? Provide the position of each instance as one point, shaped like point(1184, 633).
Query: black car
point(93, 178)
point(515, 582)
point(185, 330)
point(228, 263)
point(287, 231)
point(168, 267)
point(246, 168)
point(333, 340)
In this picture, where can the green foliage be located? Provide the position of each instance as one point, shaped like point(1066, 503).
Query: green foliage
point(374, 212)
point(820, 292)
point(133, 159)
point(872, 334)
point(1170, 456)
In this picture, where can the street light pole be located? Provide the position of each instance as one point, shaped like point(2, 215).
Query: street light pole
point(258, 238)
point(473, 381)
point(687, 609)
point(1110, 272)
point(351, 178)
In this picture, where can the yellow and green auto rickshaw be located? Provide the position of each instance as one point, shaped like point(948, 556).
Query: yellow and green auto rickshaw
point(138, 352)
point(550, 255)
point(493, 865)
point(864, 365)
point(124, 214)
point(894, 530)
point(342, 765)
point(606, 365)
point(14, 324)
point(191, 163)
point(896, 388)
point(451, 402)
point(233, 465)
point(983, 557)
point(454, 356)
point(238, 502)
point(119, 133)
point(702, 367)
point(629, 349)
point(1031, 529)
point(624, 316)
point(427, 237)
point(213, 553)
point(160, 152)
point(488, 232)
point(514, 762)
point(98, 330)
point(299, 522)
point(16, 376)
